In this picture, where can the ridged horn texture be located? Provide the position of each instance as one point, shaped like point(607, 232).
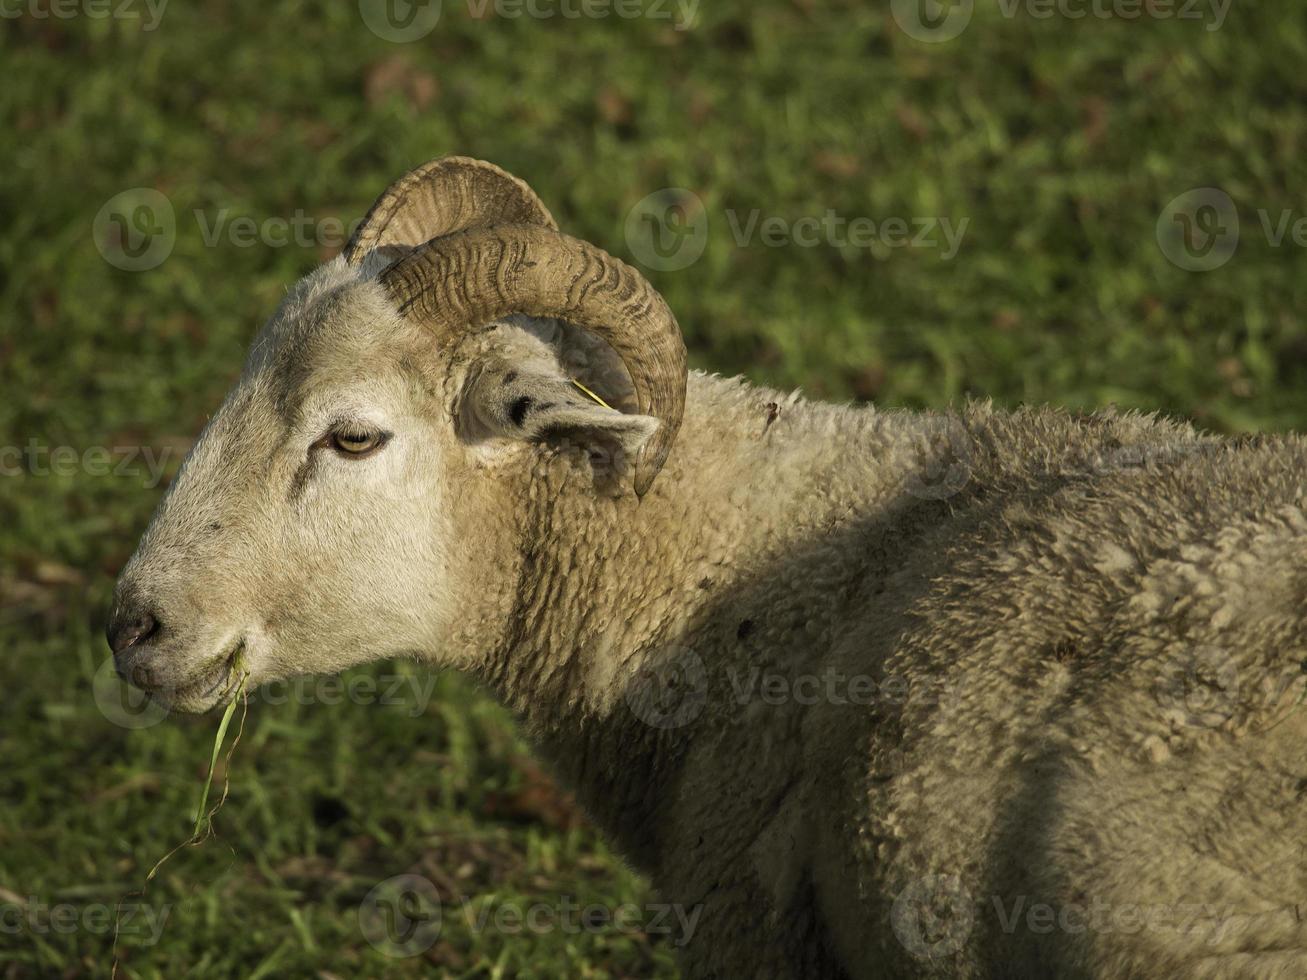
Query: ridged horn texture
point(442, 197)
point(462, 281)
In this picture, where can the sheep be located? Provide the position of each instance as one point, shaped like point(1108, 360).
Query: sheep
point(967, 693)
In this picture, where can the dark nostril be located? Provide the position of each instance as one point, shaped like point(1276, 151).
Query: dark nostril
point(128, 629)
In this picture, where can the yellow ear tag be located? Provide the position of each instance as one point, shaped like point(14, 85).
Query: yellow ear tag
point(590, 393)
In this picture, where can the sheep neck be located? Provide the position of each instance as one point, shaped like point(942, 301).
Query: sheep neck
point(614, 593)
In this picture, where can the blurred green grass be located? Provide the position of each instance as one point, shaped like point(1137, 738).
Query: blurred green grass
point(1060, 141)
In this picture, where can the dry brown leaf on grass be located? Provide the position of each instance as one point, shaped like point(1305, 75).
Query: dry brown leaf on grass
point(912, 121)
point(139, 783)
point(396, 75)
point(614, 108)
point(832, 163)
point(537, 800)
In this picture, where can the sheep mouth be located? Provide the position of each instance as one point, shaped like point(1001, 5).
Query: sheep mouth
point(215, 685)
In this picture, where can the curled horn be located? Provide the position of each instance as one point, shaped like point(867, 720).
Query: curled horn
point(463, 280)
point(442, 197)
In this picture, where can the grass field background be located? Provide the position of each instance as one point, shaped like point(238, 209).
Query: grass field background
point(1061, 140)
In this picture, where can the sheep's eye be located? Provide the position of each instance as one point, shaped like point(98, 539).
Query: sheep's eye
point(357, 442)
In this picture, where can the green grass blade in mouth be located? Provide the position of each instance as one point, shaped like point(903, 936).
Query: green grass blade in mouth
point(203, 828)
point(203, 819)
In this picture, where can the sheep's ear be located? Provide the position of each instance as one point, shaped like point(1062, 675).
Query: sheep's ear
point(543, 405)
